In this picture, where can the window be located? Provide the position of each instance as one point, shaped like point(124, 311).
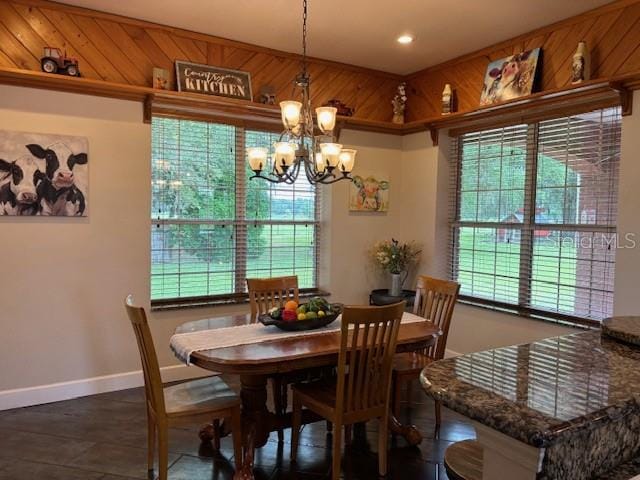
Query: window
point(211, 226)
point(534, 216)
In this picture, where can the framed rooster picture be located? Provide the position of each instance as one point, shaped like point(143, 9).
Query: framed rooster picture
point(43, 174)
point(511, 77)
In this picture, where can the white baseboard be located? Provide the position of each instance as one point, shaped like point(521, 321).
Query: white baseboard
point(451, 353)
point(24, 397)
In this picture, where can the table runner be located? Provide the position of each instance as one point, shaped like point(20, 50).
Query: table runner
point(184, 344)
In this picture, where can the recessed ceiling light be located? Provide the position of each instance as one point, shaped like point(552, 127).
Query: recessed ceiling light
point(405, 39)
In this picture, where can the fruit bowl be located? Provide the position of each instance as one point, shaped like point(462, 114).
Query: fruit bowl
point(330, 311)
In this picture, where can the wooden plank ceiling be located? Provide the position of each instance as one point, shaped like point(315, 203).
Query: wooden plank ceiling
point(122, 50)
point(612, 34)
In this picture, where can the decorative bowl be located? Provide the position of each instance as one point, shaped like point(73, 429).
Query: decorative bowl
point(300, 325)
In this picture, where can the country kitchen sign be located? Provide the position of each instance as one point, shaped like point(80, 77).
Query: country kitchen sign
point(209, 80)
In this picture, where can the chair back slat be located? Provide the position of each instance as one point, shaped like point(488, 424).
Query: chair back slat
point(435, 300)
point(150, 368)
point(266, 293)
point(366, 356)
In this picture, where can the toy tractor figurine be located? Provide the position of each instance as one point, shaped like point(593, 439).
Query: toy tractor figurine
point(54, 61)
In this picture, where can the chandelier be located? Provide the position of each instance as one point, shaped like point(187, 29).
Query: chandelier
point(303, 145)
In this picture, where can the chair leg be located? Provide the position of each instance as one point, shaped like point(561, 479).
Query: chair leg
point(296, 422)
point(410, 392)
point(216, 434)
point(236, 432)
point(336, 451)
point(397, 396)
point(383, 439)
point(277, 402)
point(438, 405)
point(151, 445)
point(163, 452)
point(329, 427)
point(348, 434)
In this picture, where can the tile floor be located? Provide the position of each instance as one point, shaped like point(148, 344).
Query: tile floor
point(103, 437)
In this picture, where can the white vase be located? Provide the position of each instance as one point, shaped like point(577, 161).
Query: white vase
point(396, 285)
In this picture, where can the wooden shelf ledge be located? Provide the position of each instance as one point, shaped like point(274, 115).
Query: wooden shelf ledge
point(563, 101)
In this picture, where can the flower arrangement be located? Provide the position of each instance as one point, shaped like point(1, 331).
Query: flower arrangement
point(393, 256)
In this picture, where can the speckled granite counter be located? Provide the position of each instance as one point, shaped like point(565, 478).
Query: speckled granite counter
point(576, 397)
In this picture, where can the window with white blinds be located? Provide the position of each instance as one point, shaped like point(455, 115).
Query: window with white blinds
point(211, 226)
point(534, 215)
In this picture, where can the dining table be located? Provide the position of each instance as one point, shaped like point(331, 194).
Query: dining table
point(256, 361)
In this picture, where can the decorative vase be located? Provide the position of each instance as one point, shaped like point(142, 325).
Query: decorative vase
point(396, 285)
point(447, 100)
point(581, 64)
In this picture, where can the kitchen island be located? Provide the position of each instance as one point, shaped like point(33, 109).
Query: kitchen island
point(560, 408)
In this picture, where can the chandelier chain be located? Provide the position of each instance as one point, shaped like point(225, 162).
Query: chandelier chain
point(304, 36)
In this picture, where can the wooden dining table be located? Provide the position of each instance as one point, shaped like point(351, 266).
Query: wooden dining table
point(256, 362)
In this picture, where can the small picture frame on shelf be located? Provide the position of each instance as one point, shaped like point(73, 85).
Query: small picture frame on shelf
point(160, 78)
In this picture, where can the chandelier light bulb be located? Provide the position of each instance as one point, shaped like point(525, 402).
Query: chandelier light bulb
point(326, 118)
point(257, 158)
point(285, 154)
point(320, 163)
point(331, 153)
point(290, 111)
point(347, 160)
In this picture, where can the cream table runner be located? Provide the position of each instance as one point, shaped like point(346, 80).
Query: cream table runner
point(184, 344)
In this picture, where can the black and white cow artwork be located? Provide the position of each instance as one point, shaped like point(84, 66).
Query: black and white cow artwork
point(43, 174)
point(19, 182)
point(57, 192)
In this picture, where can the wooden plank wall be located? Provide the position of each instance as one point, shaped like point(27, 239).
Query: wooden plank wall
point(124, 50)
point(612, 33)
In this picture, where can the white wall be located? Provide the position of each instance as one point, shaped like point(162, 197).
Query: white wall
point(64, 280)
point(351, 234)
point(627, 279)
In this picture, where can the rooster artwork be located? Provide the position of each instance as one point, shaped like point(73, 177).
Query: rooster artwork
point(510, 77)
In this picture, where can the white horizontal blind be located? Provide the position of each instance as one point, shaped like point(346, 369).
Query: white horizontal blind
point(534, 215)
point(210, 226)
point(282, 223)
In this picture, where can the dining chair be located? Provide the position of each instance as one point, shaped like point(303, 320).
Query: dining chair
point(435, 300)
point(264, 294)
point(361, 390)
point(205, 396)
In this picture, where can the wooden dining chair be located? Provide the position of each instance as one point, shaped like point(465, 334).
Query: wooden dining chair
point(264, 294)
point(209, 396)
point(435, 300)
point(361, 390)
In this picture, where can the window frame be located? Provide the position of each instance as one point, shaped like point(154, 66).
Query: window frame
point(526, 229)
point(240, 224)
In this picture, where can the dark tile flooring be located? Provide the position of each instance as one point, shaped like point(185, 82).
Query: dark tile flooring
point(103, 437)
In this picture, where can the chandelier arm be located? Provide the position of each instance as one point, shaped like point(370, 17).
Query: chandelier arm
point(336, 179)
point(268, 179)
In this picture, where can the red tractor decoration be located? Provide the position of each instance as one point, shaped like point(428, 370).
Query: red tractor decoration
point(54, 61)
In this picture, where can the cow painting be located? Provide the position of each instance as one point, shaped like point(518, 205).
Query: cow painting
point(57, 192)
point(510, 77)
point(369, 194)
point(19, 179)
point(43, 174)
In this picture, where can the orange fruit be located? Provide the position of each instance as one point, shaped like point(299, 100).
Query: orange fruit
point(291, 305)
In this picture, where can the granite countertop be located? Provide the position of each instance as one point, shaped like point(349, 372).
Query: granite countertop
point(542, 391)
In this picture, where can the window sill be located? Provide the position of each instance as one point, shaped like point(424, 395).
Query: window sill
point(548, 317)
point(219, 300)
